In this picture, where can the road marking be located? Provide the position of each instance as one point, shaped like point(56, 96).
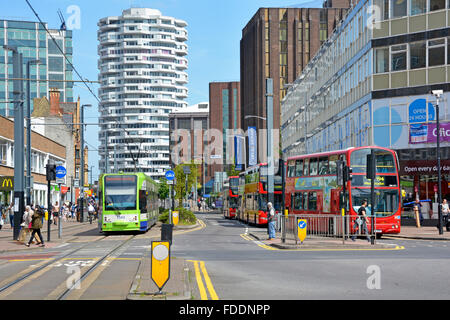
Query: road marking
point(201, 286)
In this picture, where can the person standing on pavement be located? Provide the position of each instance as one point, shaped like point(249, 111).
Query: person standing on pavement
point(36, 225)
point(362, 221)
point(55, 212)
point(270, 221)
point(26, 224)
point(10, 212)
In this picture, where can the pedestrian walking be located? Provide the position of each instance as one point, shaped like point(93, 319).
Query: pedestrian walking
point(25, 229)
point(362, 221)
point(10, 212)
point(55, 212)
point(36, 225)
point(446, 214)
point(2, 218)
point(270, 221)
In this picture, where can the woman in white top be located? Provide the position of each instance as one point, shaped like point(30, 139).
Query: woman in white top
point(25, 230)
point(445, 208)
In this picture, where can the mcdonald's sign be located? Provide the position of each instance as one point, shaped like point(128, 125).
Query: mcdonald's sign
point(6, 183)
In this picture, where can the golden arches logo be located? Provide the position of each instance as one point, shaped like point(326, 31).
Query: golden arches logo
point(7, 183)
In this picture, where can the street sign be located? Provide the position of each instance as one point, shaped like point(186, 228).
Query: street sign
point(60, 180)
point(187, 170)
point(160, 264)
point(76, 183)
point(60, 172)
point(301, 229)
point(170, 175)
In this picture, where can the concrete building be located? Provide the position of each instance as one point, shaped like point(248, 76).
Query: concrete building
point(278, 43)
point(194, 120)
point(224, 115)
point(371, 83)
point(142, 64)
point(34, 42)
point(43, 149)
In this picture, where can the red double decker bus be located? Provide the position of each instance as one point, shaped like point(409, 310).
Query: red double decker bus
point(230, 197)
point(311, 185)
point(255, 196)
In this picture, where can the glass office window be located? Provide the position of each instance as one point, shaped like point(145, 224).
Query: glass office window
point(417, 54)
point(398, 57)
point(398, 8)
point(56, 64)
point(381, 60)
point(436, 52)
point(437, 5)
point(418, 7)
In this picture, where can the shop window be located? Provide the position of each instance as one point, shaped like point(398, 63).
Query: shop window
point(437, 5)
point(417, 55)
point(436, 52)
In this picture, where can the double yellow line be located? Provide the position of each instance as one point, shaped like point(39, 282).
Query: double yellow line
point(200, 266)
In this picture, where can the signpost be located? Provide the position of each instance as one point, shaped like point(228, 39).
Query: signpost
point(170, 176)
point(160, 264)
point(301, 229)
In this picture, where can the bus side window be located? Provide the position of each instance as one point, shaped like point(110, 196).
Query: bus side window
point(305, 200)
point(332, 164)
point(306, 167)
point(313, 167)
point(298, 201)
point(323, 166)
point(291, 169)
point(312, 203)
point(299, 168)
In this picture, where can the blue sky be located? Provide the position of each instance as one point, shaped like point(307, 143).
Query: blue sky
point(214, 29)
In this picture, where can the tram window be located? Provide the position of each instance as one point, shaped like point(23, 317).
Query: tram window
point(312, 201)
point(306, 167)
point(291, 169)
point(332, 164)
point(313, 167)
point(298, 168)
point(298, 201)
point(305, 200)
point(323, 166)
point(142, 201)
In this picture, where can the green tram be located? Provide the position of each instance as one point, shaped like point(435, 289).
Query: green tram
point(127, 202)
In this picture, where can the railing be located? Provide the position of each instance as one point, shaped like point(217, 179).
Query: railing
point(322, 226)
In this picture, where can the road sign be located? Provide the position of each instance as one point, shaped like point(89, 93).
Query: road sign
point(60, 180)
point(170, 175)
point(187, 170)
point(60, 172)
point(160, 263)
point(175, 217)
point(301, 229)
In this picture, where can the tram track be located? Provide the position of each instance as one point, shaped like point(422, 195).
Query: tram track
point(63, 291)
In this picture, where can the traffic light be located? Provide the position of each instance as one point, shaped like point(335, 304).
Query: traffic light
point(347, 173)
point(370, 167)
point(51, 172)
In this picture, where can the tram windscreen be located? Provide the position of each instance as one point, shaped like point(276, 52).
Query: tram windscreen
point(386, 201)
point(120, 193)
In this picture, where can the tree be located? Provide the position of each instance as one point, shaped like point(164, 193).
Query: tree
point(180, 186)
point(163, 189)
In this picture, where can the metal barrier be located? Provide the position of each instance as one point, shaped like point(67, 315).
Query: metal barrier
point(323, 226)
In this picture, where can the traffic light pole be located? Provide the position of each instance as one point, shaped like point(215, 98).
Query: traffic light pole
point(372, 196)
point(49, 211)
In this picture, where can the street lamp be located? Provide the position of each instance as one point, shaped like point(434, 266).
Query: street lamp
point(82, 160)
point(28, 184)
point(438, 94)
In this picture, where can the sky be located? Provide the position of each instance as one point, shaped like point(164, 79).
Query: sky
point(214, 34)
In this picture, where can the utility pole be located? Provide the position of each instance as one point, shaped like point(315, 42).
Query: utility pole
point(270, 148)
point(19, 168)
point(437, 94)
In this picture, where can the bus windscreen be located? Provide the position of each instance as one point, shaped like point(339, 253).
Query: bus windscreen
point(120, 193)
point(386, 201)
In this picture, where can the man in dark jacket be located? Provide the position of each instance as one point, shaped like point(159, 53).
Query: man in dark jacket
point(36, 225)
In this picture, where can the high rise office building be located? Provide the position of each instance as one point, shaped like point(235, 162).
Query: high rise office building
point(142, 64)
point(32, 40)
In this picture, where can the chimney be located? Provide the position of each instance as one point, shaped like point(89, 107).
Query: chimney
point(55, 109)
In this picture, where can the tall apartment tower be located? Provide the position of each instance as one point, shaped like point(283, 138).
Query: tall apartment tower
point(33, 41)
point(142, 63)
point(278, 43)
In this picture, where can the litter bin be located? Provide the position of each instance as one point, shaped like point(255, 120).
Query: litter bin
point(166, 232)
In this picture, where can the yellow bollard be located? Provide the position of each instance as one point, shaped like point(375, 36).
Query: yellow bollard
point(46, 215)
point(416, 213)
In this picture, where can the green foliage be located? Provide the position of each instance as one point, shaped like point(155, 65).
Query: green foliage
point(186, 217)
point(180, 186)
point(163, 189)
point(232, 171)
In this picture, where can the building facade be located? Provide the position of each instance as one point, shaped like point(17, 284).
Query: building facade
point(278, 43)
point(143, 78)
point(43, 150)
point(33, 41)
point(225, 116)
point(371, 84)
point(188, 128)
